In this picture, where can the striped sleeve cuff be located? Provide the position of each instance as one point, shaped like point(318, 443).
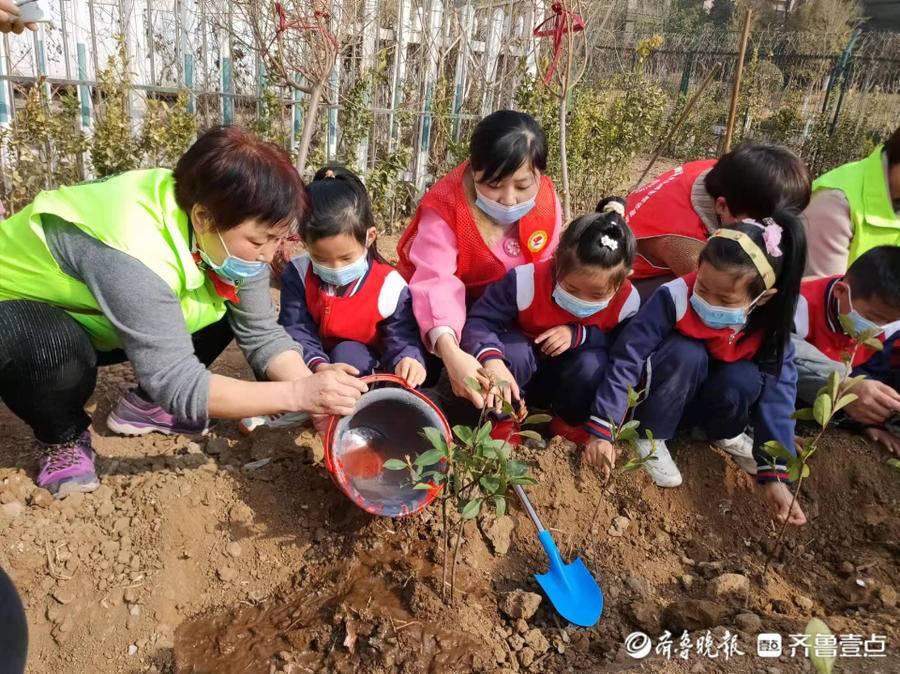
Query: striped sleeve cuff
point(579, 335)
point(599, 428)
point(315, 361)
point(767, 473)
point(489, 353)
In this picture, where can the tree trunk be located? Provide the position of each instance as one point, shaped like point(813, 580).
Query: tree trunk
point(309, 124)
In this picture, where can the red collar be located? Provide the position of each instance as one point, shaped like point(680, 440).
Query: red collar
point(223, 289)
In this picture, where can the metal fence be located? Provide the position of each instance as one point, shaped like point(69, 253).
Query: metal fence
point(430, 68)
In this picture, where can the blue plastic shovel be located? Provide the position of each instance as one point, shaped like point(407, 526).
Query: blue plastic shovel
point(570, 587)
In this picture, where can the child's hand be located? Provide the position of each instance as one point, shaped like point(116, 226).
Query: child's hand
point(601, 454)
point(779, 497)
point(501, 374)
point(337, 367)
point(884, 437)
point(875, 403)
point(411, 370)
point(555, 341)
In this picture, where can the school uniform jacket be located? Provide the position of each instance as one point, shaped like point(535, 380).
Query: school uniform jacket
point(375, 310)
point(669, 310)
point(524, 298)
point(816, 321)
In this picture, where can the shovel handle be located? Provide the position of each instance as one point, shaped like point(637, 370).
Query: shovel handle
point(528, 507)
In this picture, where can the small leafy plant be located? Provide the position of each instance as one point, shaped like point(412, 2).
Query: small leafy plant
point(831, 399)
point(480, 470)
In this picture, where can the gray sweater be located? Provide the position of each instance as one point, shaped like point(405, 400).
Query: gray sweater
point(148, 318)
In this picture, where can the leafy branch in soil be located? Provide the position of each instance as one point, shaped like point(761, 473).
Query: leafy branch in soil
point(625, 433)
point(472, 472)
point(831, 399)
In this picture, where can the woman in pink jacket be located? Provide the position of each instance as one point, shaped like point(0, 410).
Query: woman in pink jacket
point(495, 211)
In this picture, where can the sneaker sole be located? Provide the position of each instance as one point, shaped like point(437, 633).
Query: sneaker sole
point(76, 488)
point(121, 427)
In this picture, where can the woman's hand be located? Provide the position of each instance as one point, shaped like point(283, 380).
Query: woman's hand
point(9, 18)
point(460, 367)
point(505, 387)
point(555, 341)
point(333, 391)
point(884, 437)
point(602, 455)
point(779, 497)
point(411, 370)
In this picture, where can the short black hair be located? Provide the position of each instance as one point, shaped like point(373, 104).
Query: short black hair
point(503, 142)
point(892, 148)
point(581, 242)
point(758, 179)
point(876, 273)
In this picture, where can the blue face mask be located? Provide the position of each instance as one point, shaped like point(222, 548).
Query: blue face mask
point(575, 306)
point(342, 276)
point(861, 324)
point(503, 215)
point(233, 269)
point(720, 317)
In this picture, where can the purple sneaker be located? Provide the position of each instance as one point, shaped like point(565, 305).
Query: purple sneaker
point(135, 416)
point(67, 468)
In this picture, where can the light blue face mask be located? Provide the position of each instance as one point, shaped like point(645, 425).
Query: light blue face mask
point(233, 269)
point(861, 324)
point(576, 306)
point(341, 276)
point(503, 215)
point(722, 317)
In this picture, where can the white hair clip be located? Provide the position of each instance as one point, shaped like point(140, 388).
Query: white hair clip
point(608, 242)
point(615, 207)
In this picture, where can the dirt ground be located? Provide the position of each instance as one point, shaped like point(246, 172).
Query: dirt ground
point(189, 560)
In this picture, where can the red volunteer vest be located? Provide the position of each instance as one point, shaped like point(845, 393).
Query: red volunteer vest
point(663, 208)
point(476, 264)
point(353, 318)
point(723, 344)
point(816, 321)
point(543, 313)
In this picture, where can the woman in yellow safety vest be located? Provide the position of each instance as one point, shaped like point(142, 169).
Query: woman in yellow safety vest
point(163, 269)
point(854, 207)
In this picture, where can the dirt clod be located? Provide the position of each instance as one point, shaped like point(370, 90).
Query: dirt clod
point(646, 615)
point(233, 549)
point(693, 614)
point(748, 622)
point(730, 588)
point(499, 533)
point(536, 639)
point(618, 526)
point(520, 604)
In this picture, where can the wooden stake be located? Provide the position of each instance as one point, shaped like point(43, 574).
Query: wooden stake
point(736, 89)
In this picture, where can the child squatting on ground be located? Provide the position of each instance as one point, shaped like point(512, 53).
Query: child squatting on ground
point(546, 326)
point(348, 308)
point(712, 350)
point(868, 296)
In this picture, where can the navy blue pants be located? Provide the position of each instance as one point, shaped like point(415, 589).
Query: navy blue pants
point(688, 388)
point(566, 384)
point(356, 354)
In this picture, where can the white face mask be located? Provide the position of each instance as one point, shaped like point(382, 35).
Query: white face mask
point(501, 214)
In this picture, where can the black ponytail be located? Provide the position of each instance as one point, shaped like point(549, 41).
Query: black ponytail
point(339, 204)
point(775, 319)
point(582, 242)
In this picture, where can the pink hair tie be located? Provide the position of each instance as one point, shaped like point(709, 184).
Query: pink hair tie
point(772, 237)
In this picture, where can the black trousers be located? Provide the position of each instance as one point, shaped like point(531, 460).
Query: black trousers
point(48, 366)
point(13, 629)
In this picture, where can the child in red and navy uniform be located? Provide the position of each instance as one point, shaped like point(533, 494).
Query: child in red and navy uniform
point(546, 325)
point(713, 349)
point(340, 301)
point(868, 297)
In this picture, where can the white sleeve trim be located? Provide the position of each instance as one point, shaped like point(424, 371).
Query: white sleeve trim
point(524, 286)
point(390, 294)
point(678, 291)
point(631, 306)
point(801, 318)
point(301, 264)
